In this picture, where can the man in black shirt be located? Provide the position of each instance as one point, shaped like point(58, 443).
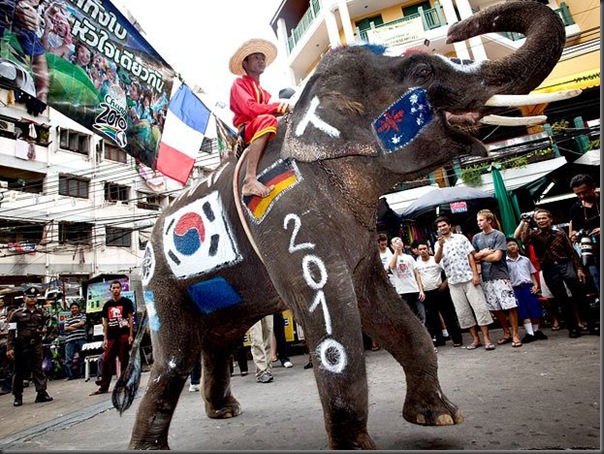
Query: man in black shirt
point(585, 222)
point(118, 335)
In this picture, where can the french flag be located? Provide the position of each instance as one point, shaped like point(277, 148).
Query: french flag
point(184, 129)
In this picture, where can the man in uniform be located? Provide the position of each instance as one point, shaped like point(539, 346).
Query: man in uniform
point(26, 329)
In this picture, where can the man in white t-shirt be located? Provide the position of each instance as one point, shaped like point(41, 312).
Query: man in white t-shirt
point(385, 253)
point(456, 254)
point(406, 279)
point(438, 299)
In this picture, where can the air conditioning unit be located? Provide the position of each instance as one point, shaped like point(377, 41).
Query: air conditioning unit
point(7, 126)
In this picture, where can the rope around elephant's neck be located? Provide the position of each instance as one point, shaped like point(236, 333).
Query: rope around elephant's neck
point(242, 219)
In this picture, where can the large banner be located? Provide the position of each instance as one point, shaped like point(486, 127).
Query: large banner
point(397, 34)
point(85, 59)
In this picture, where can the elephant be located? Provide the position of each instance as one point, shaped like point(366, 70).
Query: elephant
point(217, 262)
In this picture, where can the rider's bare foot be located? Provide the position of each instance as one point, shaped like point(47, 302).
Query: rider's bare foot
point(254, 187)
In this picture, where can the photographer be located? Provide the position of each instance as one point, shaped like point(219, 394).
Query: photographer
point(560, 264)
point(584, 226)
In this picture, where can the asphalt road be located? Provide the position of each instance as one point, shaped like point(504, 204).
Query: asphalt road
point(544, 395)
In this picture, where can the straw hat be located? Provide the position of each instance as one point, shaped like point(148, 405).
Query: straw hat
point(249, 47)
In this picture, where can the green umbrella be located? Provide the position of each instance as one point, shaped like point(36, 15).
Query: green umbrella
point(509, 218)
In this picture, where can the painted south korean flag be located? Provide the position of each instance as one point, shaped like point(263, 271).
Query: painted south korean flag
point(198, 239)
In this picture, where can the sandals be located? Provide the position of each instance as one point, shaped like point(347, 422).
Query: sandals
point(504, 340)
point(489, 346)
point(516, 344)
point(473, 346)
point(98, 391)
point(556, 328)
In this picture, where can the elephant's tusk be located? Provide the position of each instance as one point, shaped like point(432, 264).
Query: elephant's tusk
point(513, 121)
point(529, 100)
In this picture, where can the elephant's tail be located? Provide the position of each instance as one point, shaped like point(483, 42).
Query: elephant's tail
point(129, 380)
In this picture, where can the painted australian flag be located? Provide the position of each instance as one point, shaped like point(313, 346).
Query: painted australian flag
point(400, 123)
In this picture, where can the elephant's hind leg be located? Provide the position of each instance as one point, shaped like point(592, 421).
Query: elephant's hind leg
point(157, 408)
point(390, 321)
point(174, 358)
point(219, 401)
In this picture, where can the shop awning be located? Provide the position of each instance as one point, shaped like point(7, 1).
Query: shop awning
point(581, 80)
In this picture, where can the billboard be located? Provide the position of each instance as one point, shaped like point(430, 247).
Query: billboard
point(86, 60)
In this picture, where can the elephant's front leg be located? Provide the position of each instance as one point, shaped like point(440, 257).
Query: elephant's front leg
point(315, 281)
point(332, 329)
point(219, 401)
point(388, 319)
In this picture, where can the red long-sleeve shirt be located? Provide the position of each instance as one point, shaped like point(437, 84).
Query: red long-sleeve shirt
point(249, 100)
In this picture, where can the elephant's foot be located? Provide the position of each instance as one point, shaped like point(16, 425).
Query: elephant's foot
point(360, 441)
point(431, 410)
point(146, 446)
point(230, 409)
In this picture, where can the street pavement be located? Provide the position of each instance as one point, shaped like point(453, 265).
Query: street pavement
point(544, 395)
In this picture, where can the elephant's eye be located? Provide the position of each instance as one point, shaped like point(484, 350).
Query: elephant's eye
point(423, 72)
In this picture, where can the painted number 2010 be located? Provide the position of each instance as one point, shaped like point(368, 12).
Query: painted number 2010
point(331, 352)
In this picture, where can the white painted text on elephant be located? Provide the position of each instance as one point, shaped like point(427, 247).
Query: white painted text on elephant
point(331, 352)
point(311, 117)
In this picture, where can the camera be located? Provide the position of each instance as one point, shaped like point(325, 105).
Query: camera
point(529, 217)
point(587, 247)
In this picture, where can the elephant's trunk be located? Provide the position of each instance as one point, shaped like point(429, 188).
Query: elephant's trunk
point(526, 68)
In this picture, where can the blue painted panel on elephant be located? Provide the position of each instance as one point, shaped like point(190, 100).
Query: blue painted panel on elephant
point(402, 121)
point(214, 294)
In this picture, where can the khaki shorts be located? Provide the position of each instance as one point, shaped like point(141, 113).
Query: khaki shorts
point(470, 305)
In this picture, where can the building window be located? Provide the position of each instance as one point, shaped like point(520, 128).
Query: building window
point(73, 187)
point(149, 201)
point(209, 145)
point(413, 9)
point(74, 141)
point(118, 237)
point(75, 233)
point(20, 232)
point(115, 153)
point(116, 192)
point(365, 24)
point(21, 180)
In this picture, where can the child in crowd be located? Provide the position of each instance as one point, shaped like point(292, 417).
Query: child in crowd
point(524, 282)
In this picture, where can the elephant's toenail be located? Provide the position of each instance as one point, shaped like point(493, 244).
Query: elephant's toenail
point(444, 420)
point(421, 419)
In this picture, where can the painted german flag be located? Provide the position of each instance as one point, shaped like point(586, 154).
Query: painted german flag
point(284, 175)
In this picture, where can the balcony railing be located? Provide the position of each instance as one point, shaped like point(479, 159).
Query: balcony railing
point(564, 14)
point(298, 32)
point(431, 18)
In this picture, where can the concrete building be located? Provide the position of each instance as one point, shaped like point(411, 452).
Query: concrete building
point(72, 205)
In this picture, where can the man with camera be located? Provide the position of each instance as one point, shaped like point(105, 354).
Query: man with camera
point(560, 264)
point(584, 228)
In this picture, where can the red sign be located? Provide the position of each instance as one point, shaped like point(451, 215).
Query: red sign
point(458, 207)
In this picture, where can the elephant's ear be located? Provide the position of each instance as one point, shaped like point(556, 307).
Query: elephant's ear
point(326, 125)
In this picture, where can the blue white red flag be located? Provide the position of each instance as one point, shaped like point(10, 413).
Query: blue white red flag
point(184, 129)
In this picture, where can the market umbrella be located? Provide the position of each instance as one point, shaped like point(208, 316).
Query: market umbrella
point(509, 216)
point(443, 198)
